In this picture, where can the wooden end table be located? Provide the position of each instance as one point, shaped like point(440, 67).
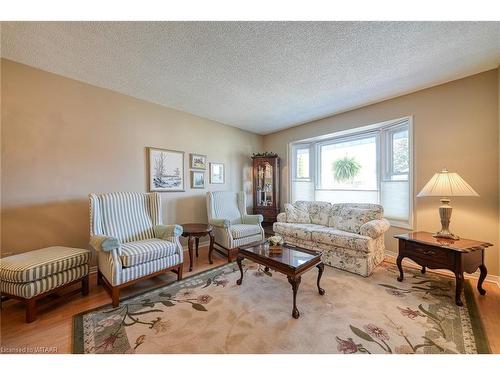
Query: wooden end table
point(292, 261)
point(194, 231)
point(454, 255)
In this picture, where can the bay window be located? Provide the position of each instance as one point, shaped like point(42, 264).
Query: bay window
point(365, 165)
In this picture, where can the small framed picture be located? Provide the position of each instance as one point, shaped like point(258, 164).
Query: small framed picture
point(197, 180)
point(217, 174)
point(166, 170)
point(198, 161)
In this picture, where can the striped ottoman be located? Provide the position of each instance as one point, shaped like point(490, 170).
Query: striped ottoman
point(32, 275)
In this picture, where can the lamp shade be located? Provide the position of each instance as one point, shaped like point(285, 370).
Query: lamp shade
point(447, 184)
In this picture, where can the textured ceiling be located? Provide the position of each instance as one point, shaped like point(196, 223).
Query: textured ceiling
point(258, 76)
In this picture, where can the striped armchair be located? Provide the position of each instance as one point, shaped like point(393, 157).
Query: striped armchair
point(227, 213)
point(130, 240)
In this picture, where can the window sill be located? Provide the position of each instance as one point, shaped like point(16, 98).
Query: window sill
point(400, 224)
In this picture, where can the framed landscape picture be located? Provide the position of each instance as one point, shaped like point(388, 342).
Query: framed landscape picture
point(198, 161)
point(166, 170)
point(217, 174)
point(197, 180)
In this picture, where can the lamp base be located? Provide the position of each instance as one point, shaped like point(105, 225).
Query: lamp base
point(445, 234)
point(445, 216)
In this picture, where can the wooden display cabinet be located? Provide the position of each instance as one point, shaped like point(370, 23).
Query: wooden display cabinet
point(266, 187)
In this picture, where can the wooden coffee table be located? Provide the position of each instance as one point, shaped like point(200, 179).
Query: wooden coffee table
point(193, 231)
point(292, 262)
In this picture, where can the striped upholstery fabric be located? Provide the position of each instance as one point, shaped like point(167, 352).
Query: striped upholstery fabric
point(126, 216)
point(132, 273)
point(232, 206)
point(34, 288)
point(246, 240)
point(138, 252)
point(225, 206)
point(131, 217)
point(38, 264)
point(244, 230)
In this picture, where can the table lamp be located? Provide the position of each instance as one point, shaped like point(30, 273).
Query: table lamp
point(446, 184)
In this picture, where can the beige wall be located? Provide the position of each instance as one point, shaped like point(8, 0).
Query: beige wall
point(62, 139)
point(455, 125)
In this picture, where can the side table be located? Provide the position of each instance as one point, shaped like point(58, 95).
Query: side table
point(454, 255)
point(194, 231)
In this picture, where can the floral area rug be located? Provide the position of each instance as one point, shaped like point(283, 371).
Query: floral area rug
point(209, 313)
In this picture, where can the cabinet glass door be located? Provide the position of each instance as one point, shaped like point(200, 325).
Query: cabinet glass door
point(264, 184)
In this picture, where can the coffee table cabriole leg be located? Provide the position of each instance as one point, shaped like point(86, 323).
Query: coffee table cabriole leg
point(239, 259)
point(295, 282)
point(320, 267)
point(211, 248)
point(190, 247)
point(399, 262)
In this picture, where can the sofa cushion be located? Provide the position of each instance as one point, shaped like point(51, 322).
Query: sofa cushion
point(301, 231)
point(340, 238)
point(350, 219)
point(319, 212)
point(138, 252)
point(41, 263)
point(297, 214)
point(244, 230)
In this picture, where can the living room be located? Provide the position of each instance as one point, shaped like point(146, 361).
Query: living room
point(250, 187)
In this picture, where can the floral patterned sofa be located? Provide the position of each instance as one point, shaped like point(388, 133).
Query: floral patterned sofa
point(350, 235)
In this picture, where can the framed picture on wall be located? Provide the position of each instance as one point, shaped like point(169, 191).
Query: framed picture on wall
point(217, 174)
point(197, 161)
point(166, 170)
point(197, 180)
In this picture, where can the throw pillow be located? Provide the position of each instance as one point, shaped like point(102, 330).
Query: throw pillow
point(295, 215)
point(351, 219)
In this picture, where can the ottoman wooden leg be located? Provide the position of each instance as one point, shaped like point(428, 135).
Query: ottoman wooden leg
point(115, 296)
point(179, 273)
point(85, 285)
point(99, 277)
point(30, 310)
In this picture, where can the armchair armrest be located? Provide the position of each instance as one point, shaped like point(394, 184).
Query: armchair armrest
point(104, 243)
point(252, 219)
point(167, 231)
point(222, 223)
point(375, 228)
point(281, 217)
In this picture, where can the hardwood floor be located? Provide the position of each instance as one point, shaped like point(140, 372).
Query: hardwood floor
point(52, 331)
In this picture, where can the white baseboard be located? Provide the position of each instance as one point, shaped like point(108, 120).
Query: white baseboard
point(489, 278)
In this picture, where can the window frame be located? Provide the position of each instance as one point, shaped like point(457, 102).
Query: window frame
point(388, 140)
point(382, 131)
point(294, 149)
point(347, 138)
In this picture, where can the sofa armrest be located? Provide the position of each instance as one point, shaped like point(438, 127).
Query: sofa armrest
point(252, 219)
point(281, 217)
point(165, 232)
point(222, 223)
point(104, 243)
point(375, 228)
